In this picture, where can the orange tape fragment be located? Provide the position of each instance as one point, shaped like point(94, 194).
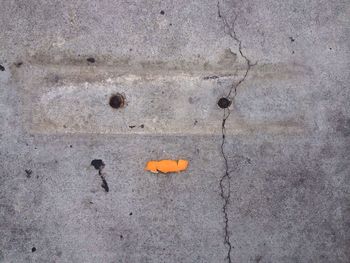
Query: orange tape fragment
point(166, 166)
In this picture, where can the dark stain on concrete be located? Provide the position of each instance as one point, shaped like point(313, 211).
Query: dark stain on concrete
point(91, 60)
point(104, 184)
point(28, 172)
point(343, 125)
point(258, 258)
point(18, 64)
point(211, 77)
point(98, 164)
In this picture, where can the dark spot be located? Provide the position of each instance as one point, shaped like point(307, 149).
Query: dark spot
point(258, 258)
point(211, 77)
point(104, 184)
point(71, 146)
point(117, 101)
point(132, 126)
point(91, 60)
point(170, 24)
point(330, 48)
point(224, 103)
point(98, 164)
point(91, 202)
point(28, 172)
point(142, 126)
point(162, 12)
point(64, 126)
point(33, 249)
point(2, 68)
point(293, 52)
point(18, 64)
point(121, 237)
point(343, 125)
point(130, 49)
point(56, 79)
point(291, 39)
point(130, 214)
point(195, 122)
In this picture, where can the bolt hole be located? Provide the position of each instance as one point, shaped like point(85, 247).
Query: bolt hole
point(224, 103)
point(117, 101)
point(91, 60)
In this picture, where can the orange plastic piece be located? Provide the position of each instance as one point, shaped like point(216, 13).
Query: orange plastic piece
point(166, 166)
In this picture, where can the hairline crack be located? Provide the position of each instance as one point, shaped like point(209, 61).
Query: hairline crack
point(225, 195)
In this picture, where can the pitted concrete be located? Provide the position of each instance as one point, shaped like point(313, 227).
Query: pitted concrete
point(286, 138)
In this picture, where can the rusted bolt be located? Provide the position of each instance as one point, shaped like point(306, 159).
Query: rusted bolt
point(224, 103)
point(117, 101)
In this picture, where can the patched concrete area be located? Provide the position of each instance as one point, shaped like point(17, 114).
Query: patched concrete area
point(268, 177)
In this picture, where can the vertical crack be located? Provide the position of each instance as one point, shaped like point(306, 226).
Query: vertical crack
point(225, 190)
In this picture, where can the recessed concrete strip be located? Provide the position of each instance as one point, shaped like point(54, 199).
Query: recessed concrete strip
point(156, 98)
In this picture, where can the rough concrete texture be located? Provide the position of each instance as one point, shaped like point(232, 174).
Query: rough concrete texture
point(284, 194)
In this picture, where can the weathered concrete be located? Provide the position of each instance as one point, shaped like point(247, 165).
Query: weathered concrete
point(287, 137)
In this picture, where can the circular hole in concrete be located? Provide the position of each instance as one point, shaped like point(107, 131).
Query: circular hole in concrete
point(224, 103)
point(117, 101)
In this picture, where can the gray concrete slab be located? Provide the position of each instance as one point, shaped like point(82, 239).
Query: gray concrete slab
point(283, 195)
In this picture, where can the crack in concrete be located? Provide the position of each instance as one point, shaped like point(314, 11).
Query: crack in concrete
point(225, 183)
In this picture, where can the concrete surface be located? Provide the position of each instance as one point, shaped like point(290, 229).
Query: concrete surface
point(287, 137)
